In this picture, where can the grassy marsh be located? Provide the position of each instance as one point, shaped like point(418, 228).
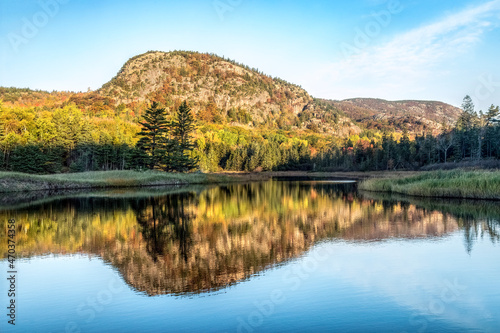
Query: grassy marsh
point(15, 182)
point(441, 184)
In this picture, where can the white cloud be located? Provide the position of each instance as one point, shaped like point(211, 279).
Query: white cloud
point(404, 64)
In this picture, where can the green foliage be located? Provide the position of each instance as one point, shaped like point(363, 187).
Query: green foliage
point(154, 140)
point(28, 159)
point(90, 134)
point(181, 147)
point(239, 115)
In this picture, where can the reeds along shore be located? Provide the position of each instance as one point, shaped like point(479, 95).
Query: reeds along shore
point(18, 182)
point(442, 184)
point(14, 182)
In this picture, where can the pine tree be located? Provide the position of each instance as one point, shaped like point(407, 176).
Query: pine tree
point(492, 130)
point(389, 148)
point(138, 157)
point(404, 150)
point(154, 135)
point(181, 148)
point(28, 159)
point(465, 128)
point(492, 114)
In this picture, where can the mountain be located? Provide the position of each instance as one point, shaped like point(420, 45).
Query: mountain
point(220, 90)
point(234, 88)
point(417, 117)
point(227, 89)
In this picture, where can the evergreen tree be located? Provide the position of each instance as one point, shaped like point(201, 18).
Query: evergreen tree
point(28, 159)
point(492, 114)
point(180, 149)
point(492, 138)
point(482, 125)
point(468, 106)
point(154, 135)
point(388, 146)
point(404, 150)
point(465, 130)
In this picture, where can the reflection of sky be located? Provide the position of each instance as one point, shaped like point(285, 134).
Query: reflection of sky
point(417, 276)
point(387, 286)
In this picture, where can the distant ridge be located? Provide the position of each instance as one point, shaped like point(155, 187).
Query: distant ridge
point(415, 116)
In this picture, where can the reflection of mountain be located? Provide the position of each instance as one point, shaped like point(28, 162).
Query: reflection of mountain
point(198, 241)
point(476, 217)
point(397, 221)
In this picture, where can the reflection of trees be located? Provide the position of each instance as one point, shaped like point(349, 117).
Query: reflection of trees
point(476, 218)
point(164, 221)
point(193, 242)
point(493, 229)
point(473, 229)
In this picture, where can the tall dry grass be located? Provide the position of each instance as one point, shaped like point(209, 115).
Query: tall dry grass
point(443, 184)
point(13, 181)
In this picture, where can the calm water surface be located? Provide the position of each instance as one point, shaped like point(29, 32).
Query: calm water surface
point(261, 257)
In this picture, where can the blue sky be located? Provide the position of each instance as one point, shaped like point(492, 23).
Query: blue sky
point(391, 49)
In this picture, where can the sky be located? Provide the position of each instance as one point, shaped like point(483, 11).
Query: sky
point(390, 49)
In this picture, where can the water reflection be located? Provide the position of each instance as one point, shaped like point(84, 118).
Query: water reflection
point(477, 218)
point(204, 239)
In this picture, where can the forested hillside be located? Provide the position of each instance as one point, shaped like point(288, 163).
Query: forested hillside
point(243, 121)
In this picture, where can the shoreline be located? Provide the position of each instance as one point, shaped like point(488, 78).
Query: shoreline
point(484, 185)
point(11, 182)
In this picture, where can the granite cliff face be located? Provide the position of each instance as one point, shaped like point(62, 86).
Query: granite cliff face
point(204, 78)
point(211, 82)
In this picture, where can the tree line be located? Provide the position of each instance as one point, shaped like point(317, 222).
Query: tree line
point(475, 137)
point(41, 140)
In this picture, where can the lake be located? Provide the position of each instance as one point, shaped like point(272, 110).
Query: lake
point(276, 256)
